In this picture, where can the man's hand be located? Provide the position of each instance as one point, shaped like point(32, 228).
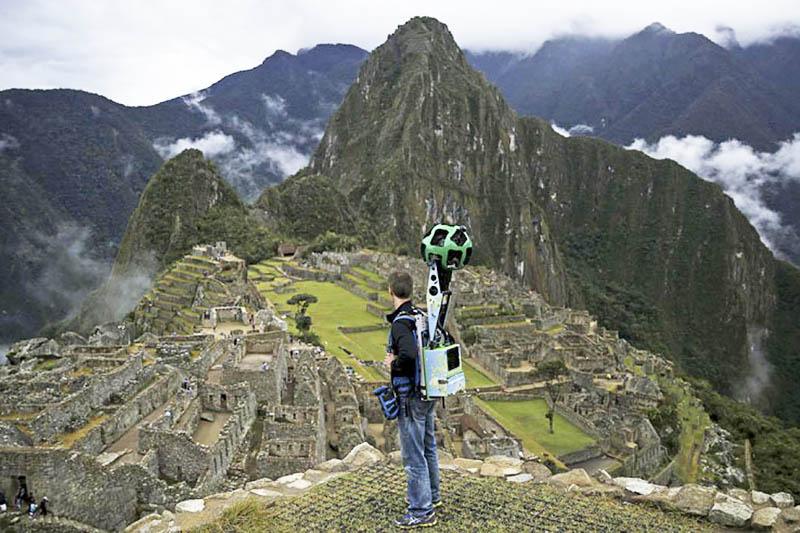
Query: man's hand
point(388, 360)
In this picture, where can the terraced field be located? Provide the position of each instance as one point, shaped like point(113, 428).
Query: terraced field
point(370, 499)
point(339, 308)
point(527, 420)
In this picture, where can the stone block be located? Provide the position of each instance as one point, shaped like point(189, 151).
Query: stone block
point(190, 506)
point(729, 511)
point(396, 457)
point(577, 477)
point(662, 495)
point(759, 498)
point(501, 466)
point(636, 485)
point(472, 466)
point(603, 477)
point(332, 465)
point(143, 524)
point(363, 454)
point(739, 494)
point(520, 478)
point(299, 484)
point(765, 518)
point(285, 480)
point(259, 484)
point(791, 515)
point(782, 500)
point(316, 476)
point(266, 493)
point(695, 500)
point(539, 471)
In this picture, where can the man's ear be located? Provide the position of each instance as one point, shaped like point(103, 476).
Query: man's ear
point(391, 293)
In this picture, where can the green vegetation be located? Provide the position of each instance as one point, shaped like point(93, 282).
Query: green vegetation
point(776, 449)
point(338, 307)
point(685, 415)
point(783, 343)
point(528, 420)
point(47, 364)
point(475, 378)
point(330, 241)
point(551, 372)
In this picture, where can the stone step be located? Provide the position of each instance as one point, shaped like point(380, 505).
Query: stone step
point(185, 275)
point(194, 267)
point(177, 284)
point(198, 260)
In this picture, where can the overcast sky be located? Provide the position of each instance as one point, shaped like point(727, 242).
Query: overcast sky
point(140, 52)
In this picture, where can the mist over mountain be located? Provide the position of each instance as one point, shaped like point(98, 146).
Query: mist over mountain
point(657, 86)
point(73, 166)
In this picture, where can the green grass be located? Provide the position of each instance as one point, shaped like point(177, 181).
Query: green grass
point(527, 420)
point(48, 364)
point(694, 421)
point(369, 274)
point(476, 378)
point(338, 307)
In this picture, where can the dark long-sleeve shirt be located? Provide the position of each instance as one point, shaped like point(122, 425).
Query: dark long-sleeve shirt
point(404, 346)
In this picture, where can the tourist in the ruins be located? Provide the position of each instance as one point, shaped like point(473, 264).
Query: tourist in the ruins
point(22, 496)
point(415, 418)
point(43, 506)
point(3, 505)
point(31, 504)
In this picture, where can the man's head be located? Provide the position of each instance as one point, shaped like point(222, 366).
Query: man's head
point(400, 284)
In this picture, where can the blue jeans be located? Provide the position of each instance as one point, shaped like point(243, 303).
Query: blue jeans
point(418, 445)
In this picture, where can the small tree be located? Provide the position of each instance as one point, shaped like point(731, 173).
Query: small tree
point(302, 301)
point(551, 373)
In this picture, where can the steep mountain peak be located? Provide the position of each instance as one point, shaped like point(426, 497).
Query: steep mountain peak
point(276, 55)
point(656, 28)
point(178, 195)
point(420, 37)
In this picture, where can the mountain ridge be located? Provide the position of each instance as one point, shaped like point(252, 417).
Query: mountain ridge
point(660, 254)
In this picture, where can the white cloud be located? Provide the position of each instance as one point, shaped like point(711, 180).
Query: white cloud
point(577, 129)
point(121, 50)
point(212, 144)
point(581, 129)
point(558, 129)
point(8, 142)
point(740, 170)
point(195, 101)
point(276, 105)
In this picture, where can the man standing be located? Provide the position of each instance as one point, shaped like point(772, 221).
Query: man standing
point(415, 419)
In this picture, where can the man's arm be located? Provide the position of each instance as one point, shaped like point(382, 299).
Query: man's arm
point(405, 346)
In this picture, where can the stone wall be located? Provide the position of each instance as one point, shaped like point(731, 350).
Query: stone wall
point(179, 457)
point(230, 438)
point(124, 418)
point(365, 329)
point(377, 311)
point(590, 452)
point(74, 412)
point(313, 275)
point(78, 487)
point(358, 291)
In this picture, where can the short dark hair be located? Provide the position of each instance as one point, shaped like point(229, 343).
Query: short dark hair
point(401, 283)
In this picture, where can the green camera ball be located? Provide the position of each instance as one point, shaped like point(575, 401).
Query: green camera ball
point(448, 243)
